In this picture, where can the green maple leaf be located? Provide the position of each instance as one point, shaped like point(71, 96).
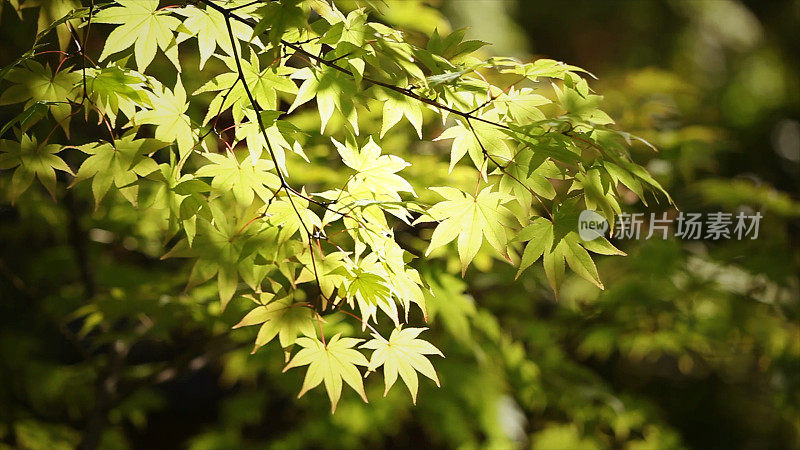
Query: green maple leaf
point(403, 354)
point(331, 363)
point(369, 291)
point(113, 89)
point(329, 269)
point(598, 193)
point(548, 68)
point(348, 36)
point(405, 284)
point(263, 84)
point(280, 18)
point(169, 117)
point(31, 160)
point(522, 106)
point(395, 107)
point(51, 11)
point(224, 247)
point(243, 178)
point(208, 26)
point(276, 132)
point(378, 173)
point(142, 26)
point(485, 137)
point(453, 45)
point(619, 175)
point(470, 219)
point(284, 214)
point(352, 29)
point(120, 164)
point(282, 317)
point(539, 235)
point(366, 219)
point(37, 83)
point(332, 90)
point(527, 175)
point(559, 245)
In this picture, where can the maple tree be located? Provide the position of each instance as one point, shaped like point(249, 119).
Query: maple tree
point(221, 180)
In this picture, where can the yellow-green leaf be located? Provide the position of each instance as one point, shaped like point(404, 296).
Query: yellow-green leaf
point(331, 363)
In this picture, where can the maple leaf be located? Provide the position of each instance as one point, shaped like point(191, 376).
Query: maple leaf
point(544, 68)
point(168, 115)
point(485, 137)
point(539, 235)
point(280, 18)
point(31, 160)
point(208, 26)
point(328, 271)
point(522, 105)
point(331, 363)
point(143, 26)
point(403, 354)
point(223, 246)
point(559, 245)
point(52, 11)
point(113, 89)
point(263, 84)
point(378, 173)
point(470, 219)
point(452, 46)
point(291, 215)
point(598, 193)
point(243, 178)
point(37, 83)
point(405, 284)
point(395, 107)
point(332, 91)
point(353, 30)
point(527, 175)
point(370, 291)
point(119, 163)
point(275, 133)
point(282, 317)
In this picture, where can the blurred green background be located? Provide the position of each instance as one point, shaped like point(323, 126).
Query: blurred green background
point(693, 344)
